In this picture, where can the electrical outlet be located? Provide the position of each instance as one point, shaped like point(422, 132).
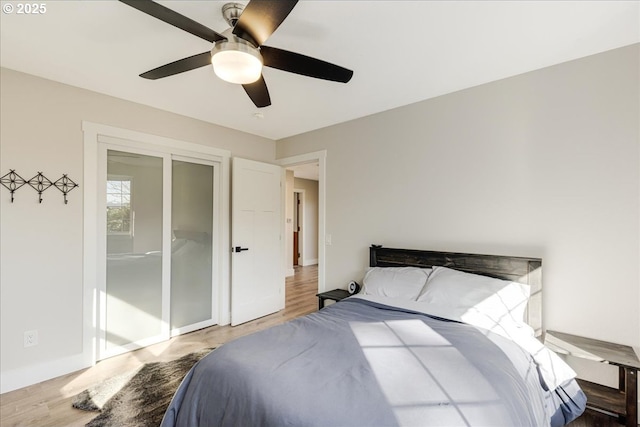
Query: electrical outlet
point(30, 338)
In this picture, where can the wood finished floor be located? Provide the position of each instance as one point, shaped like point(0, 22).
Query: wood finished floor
point(48, 404)
point(594, 419)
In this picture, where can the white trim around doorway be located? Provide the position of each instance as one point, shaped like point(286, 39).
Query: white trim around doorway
point(321, 158)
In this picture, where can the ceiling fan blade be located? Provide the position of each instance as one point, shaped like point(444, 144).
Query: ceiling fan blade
point(179, 66)
point(304, 65)
point(260, 18)
point(258, 93)
point(174, 18)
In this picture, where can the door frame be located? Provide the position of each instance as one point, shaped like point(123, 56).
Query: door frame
point(93, 134)
point(301, 224)
point(319, 157)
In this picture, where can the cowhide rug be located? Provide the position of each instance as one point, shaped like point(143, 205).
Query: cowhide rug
point(138, 398)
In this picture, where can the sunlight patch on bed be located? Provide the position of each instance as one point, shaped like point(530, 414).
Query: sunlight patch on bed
point(502, 312)
point(418, 369)
point(396, 333)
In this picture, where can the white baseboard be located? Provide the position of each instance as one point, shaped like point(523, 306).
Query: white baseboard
point(312, 261)
point(290, 272)
point(29, 375)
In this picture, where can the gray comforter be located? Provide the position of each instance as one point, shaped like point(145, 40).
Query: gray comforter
point(359, 363)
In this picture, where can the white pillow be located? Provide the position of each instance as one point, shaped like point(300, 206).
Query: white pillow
point(490, 302)
point(395, 282)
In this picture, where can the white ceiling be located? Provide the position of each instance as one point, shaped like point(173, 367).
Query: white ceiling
point(401, 52)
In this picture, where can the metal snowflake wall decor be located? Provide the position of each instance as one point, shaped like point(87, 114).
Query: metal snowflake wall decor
point(65, 184)
point(40, 183)
point(12, 182)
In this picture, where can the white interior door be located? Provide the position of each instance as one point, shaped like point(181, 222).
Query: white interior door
point(257, 281)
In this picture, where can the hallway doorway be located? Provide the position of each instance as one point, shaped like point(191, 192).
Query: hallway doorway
point(317, 160)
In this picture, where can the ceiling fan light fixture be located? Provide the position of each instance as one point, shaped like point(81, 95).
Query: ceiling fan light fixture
point(236, 62)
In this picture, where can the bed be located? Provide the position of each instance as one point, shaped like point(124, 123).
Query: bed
point(433, 339)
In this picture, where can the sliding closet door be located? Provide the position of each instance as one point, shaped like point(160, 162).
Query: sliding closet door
point(159, 210)
point(157, 268)
point(192, 222)
point(134, 252)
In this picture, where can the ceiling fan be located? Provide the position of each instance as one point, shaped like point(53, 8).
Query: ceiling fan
point(239, 53)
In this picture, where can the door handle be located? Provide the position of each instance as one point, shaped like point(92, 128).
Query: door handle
point(239, 249)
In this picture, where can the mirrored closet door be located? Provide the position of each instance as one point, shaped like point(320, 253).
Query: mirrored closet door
point(134, 249)
point(158, 256)
point(191, 244)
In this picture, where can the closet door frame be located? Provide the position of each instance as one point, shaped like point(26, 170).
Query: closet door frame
point(94, 136)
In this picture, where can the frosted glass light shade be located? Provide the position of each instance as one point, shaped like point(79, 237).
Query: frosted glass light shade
point(236, 62)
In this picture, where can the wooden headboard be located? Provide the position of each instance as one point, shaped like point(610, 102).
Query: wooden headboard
point(515, 269)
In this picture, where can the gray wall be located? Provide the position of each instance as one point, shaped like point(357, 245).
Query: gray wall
point(41, 245)
point(543, 164)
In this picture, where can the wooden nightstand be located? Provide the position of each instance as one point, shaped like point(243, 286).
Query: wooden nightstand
point(334, 295)
point(622, 401)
